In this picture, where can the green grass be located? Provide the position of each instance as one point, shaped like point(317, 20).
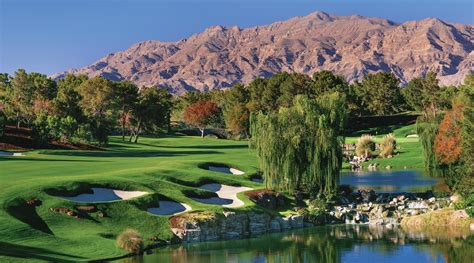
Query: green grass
point(410, 149)
point(166, 167)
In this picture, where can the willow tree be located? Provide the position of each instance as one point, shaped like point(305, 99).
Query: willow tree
point(426, 128)
point(299, 148)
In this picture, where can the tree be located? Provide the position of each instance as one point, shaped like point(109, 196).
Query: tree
point(151, 111)
point(325, 81)
point(424, 94)
point(467, 130)
point(291, 85)
point(448, 141)
point(44, 87)
point(236, 114)
point(97, 105)
point(379, 93)
point(21, 97)
point(67, 101)
point(202, 114)
point(126, 96)
point(300, 147)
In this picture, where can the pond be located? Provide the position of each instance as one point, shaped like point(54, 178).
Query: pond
point(391, 181)
point(343, 243)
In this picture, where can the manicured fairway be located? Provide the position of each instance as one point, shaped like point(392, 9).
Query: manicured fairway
point(165, 167)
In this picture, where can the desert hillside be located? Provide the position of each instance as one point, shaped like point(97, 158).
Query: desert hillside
point(348, 45)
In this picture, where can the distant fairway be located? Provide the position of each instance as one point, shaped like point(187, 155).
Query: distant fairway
point(168, 168)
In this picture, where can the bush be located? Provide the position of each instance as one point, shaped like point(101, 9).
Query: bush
point(316, 211)
point(388, 145)
point(130, 240)
point(365, 145)
point(470, 211)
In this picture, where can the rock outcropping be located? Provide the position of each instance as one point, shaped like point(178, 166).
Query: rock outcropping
point(351, 46)
point(362, 207)
point(235, 225)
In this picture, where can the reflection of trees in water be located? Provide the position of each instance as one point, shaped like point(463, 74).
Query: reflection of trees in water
point(322, 244)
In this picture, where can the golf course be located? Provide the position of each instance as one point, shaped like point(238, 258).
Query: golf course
point(168, 169)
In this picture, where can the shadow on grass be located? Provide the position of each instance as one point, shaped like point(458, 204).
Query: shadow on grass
point(130, 153)
point(200, 146)
point(27, 252)
point(28, 215)
point(52, 160)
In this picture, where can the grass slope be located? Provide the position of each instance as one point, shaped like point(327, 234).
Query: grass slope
point(165, 167)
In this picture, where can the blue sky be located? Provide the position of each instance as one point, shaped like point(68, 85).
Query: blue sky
point(49, 36)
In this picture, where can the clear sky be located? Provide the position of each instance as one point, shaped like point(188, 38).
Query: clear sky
point(49, 36)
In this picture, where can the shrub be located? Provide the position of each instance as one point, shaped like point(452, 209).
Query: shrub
point(365, 145)
point(130, 240)
point(315, 213)
point(388, 145)
point(470, 211)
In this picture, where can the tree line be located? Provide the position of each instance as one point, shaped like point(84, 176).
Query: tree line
point(78, 108)
point(81, 109)
point(376, 94)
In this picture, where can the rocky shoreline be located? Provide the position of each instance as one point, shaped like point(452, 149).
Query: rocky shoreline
point(361, 207)
point(389, 209)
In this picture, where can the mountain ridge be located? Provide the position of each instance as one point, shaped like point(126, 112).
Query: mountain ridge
point(351, 46)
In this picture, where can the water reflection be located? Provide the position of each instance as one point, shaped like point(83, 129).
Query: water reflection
point(390, 181)
point(345, 243)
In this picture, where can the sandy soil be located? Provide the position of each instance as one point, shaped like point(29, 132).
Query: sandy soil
point(226, 170)
point(227, 195)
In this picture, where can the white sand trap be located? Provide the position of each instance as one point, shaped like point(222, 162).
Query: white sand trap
point(169, 208)
point(227, 195)
point(412, 136)
point(105, 195)
point(4, 153)
point(226, 170)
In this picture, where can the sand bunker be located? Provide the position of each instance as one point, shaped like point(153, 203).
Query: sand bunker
point(227, 195)
point(3, 153)
point(169, 208)
point(226, 170)
point(105, 195)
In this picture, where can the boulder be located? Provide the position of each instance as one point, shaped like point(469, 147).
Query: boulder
point(275, 224)
point(418, 205)
point(368, 196)
point(258, 223)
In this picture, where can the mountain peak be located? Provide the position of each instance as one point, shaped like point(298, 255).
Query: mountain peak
point(320, 15)
point(351, 46)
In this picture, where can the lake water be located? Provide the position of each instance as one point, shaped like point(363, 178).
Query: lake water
point(342, 243)
point(391, 181)
point(327, 244)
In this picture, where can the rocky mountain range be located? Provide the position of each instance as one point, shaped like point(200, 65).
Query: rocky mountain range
point(351, 46)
